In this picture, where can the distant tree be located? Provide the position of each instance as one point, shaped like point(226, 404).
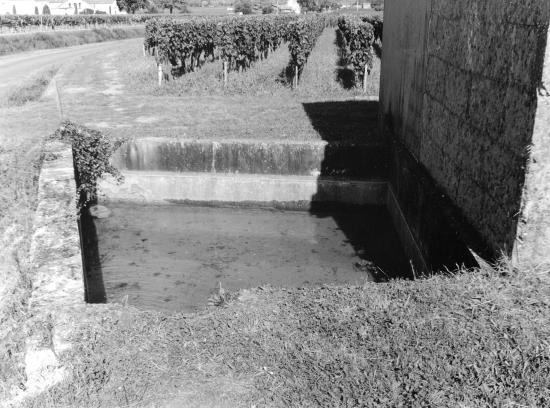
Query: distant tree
point(46, 10)
point(14, 10)
point(36, 11)
point(180, 5)
point(308, 4)
point(75, 8)
point(131, 6)
point(243, 6)
point(267, 10)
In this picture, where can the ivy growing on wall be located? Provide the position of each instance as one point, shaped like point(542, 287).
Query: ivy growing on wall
point(91, 154)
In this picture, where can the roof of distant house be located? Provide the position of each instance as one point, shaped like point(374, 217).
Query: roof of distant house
point(99, 1)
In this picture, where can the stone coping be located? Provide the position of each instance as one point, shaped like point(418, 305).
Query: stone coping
point(57, 281)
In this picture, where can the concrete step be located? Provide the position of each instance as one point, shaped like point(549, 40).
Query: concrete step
point(340, 159)
point(291, 192)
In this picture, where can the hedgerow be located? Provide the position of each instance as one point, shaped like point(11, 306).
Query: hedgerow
point(91, 152)
point(23, 21)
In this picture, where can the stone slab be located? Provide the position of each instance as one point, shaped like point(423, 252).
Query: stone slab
point(158, 187)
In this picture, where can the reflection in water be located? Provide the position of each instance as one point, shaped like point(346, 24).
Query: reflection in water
point(173, 257)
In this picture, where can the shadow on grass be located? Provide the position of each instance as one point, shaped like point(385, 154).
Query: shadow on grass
point(286, 76)
point(350, 121)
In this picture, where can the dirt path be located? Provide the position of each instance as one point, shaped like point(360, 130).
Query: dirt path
point(16, 68)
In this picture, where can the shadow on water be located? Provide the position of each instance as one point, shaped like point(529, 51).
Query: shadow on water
point(356, 151)
point(93, 273)
point(369, 231)
point(366, 156)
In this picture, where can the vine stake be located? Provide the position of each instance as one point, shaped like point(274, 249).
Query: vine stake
point(159, 71)
point(365, 79)
point(225, 73)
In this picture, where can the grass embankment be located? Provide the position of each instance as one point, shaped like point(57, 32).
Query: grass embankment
point(22, 128)
point(477, 339)
point(11, 44)
point(31, 90)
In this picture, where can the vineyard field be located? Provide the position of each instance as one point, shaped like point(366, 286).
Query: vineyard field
point(181, 47)
point(258, 102)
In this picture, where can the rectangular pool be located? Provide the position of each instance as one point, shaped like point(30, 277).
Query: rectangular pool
point(173, 257)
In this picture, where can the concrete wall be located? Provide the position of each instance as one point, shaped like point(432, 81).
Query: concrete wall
point(460, 81)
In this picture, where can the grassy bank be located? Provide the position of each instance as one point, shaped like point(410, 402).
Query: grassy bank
point(11, 44)
point(30, 91)
point(475, 339)
point(24, 121)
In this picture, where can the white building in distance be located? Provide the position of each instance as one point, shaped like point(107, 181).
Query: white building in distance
point(58, 7)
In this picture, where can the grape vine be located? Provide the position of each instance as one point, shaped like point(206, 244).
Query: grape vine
point(359, 39)
point(239, 41)
point(302, 36)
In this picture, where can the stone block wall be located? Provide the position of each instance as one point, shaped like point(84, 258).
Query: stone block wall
point(460, 86)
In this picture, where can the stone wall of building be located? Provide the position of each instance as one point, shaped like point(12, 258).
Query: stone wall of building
point(460, 82)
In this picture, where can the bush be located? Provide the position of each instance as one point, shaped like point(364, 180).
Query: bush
point(91, 151)
point(267, 10)
point(243, 6)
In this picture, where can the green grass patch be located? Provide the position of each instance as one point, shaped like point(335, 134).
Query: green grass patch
point(20, 163)
point(21, 133)
point(11, 44)
point(476, 338)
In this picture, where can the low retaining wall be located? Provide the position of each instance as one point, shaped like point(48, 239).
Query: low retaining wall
point(57, 283)
point(340, 159)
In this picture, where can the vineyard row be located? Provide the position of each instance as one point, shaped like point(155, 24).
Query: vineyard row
point(240, 41)
point(359, 36)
